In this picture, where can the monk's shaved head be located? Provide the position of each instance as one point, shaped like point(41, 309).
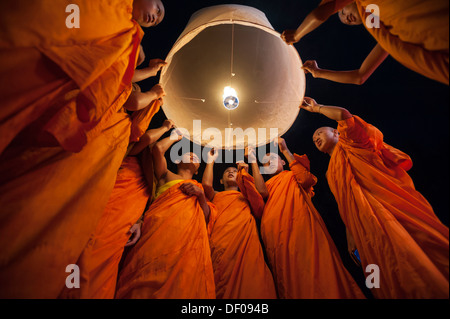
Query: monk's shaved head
point(325, 138)
point(350, 15)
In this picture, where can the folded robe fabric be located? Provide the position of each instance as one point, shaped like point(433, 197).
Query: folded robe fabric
point(64, 78)
point(172, 260)
point(413, 32)
point(302, 255)
point(393, 225)
point(62, 91)
point(99, 262)
point(240, 271)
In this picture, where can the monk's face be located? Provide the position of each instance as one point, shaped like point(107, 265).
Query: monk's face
point(350, 15)
point(273, 163)
point(190, 159)
point(148, 13)
point(229, 176)
point(325, 139)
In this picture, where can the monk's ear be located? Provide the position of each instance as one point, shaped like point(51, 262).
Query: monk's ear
point(221, 181)
point(336, 132)
point(283, 162)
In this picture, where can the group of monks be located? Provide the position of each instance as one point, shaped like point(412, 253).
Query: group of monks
point(82, 176)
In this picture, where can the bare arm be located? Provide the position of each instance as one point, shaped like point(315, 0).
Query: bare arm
point(151, 136)
point(153, 68)
point(140, 100)
point(260, 184)
point(358, 76)
point(208, 175)
point(159, 160)
point(332, 112)
point(311, 22)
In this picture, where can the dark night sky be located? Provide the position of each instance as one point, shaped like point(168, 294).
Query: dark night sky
point(410, 110)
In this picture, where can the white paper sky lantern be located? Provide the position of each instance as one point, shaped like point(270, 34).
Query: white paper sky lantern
point(230, 69)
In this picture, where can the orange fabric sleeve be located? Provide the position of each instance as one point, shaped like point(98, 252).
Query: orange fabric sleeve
point(355, 132)
point(300, 168)
point(247, 187)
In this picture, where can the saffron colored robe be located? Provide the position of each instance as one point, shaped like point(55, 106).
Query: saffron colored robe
point(413, 32)
point(302, 255)
point(99, 262)
point(240, 271)
point(62, 91)
point(172, 259)
point(392, 224)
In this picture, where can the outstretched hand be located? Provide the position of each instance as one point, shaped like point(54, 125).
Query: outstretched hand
point(311, 66)
point(309, 104)
point(290, 36)
point(250, 154)
point(155, 65)
point(242, 165)
point(212, 156)
point(281, 143)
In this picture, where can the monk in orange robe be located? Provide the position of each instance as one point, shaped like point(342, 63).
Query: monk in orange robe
point(393, 226)
point(302, 255)
point(119, 225)
point(66, 92)
point(413, 32)
point(172, 259)
point(240, 271)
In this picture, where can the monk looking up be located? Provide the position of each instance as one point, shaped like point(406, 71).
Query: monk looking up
point(240, 271)
point(99, 262)
point(392, 224)
point(302, 255)
point(172, 259)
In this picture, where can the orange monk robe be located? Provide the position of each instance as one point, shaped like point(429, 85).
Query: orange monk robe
point(303, 257)
point(240, 271)
point(393, 225)
point(172, 259)
point(413, 32)
point(57, 76)
point(99, 262)
point(51, 203)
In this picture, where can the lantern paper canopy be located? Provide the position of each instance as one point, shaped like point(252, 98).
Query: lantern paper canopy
point(232, 71)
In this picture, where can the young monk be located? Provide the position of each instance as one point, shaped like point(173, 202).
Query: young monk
point(304, 260)
point(414, 32)
point(240, 271)
point(118, 227)
point(66, 94)
point(392, 224)
point(172, 259)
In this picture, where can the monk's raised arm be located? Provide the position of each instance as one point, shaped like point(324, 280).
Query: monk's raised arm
point(160, 148)
point(208, 175)
point(260, 184)
point(332, 112)
point(357, 76)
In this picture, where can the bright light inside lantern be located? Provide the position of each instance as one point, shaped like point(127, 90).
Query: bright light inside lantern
point(230, 99)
